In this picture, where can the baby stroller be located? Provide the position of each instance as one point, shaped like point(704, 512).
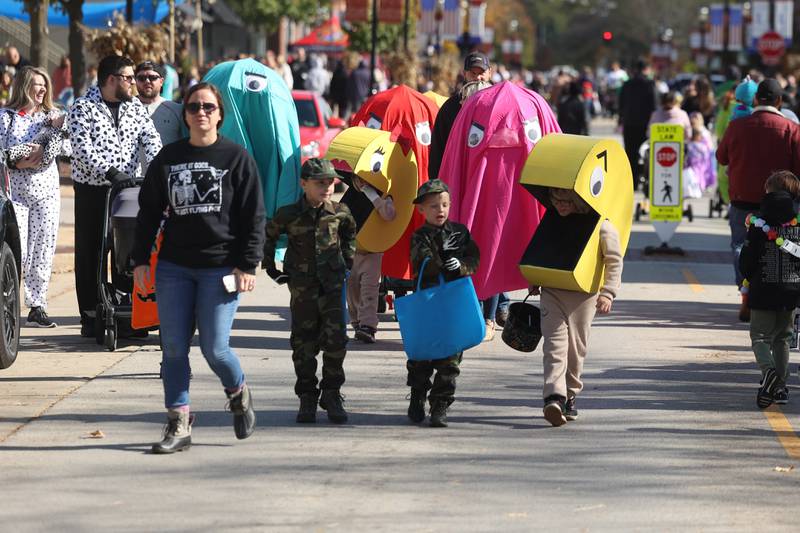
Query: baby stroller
point(114, 296)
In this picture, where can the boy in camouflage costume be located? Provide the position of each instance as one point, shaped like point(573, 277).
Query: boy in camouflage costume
point(453, 254)
point(320, 252)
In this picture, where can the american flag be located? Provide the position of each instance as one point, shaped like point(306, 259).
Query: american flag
point(427, 22)
point(453, 20)
point(735, 28)
point(716, 18)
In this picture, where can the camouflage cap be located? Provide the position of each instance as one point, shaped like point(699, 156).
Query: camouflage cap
point(318, 169)
point(430, 187)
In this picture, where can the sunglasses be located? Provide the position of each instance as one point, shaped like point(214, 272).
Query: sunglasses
point(123, 77)
point(151, 78)
point(194, 108)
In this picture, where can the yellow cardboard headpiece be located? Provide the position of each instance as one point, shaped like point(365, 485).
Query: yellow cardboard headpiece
point(565, 251)
point(374, 157)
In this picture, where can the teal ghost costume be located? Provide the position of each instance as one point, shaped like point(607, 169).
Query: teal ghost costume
point(260, 115)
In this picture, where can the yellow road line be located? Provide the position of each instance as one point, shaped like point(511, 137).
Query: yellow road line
point(784, 430)
point(692, 280)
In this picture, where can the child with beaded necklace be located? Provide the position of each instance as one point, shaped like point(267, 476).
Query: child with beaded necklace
point(773, 282)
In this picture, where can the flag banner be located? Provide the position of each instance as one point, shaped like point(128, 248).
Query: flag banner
point(390, 11)
point(716, 19)
point(357, 11)
point(759, 25)
point(452, 22)
point(784, 15)
point(735, 20)
point(477, 19)
point(427, 20)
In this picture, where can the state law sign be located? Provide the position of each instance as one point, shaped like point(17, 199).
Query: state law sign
point(666, 179)
point(771, 47)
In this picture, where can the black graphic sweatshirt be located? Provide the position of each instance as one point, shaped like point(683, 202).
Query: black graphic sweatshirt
point(215, 207)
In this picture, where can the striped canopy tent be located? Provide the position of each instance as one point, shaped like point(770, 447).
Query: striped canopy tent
point(327, 37)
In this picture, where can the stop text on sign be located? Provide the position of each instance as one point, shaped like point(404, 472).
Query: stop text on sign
point(666, 156)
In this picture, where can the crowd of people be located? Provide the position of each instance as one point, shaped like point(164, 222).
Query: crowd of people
point(114, 134)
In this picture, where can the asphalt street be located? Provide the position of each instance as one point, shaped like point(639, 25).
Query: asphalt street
point(668, 437)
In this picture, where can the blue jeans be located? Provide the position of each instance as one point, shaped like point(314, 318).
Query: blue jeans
point(490, 307)
point(503, 301)
point(736, 218)
point(187, 297)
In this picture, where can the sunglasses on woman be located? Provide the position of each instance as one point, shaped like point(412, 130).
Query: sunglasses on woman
point(194, 108)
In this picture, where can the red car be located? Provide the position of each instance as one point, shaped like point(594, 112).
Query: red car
point(318, 126)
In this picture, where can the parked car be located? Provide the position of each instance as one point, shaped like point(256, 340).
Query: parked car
point(318, 126)
point(10, 269)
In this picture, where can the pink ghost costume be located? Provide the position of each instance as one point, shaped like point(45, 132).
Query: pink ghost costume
point(490, 141)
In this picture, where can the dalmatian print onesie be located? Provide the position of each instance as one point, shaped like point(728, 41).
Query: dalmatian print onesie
point(35, 195)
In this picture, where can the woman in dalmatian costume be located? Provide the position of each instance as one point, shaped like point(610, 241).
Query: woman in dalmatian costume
point(32, 132)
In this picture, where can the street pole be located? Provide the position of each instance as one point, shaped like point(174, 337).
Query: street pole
point(405, 27)
point(198, 12)
point(129, 11)
point(374, 47)
point(726, 35)
point(172, 32)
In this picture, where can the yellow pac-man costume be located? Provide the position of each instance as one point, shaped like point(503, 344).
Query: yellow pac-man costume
point(390, 168)
point(565, 251)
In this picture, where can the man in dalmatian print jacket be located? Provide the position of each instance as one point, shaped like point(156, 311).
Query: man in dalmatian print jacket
point(108, 128)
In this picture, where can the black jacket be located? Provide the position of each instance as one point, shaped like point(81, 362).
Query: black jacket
point(774, 275)
point(445, 119)
point(572, 116)
point(637, 101)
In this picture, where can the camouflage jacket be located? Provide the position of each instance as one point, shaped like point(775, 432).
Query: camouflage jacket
point(440, 244)
point(322, 243)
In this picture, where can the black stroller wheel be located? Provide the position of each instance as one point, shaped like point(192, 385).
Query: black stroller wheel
point(99, 325)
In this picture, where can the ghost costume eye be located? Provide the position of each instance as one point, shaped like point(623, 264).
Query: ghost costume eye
point(475, 135)
point(533, 131)
point(376, 161)
point(424, 133)
point(374, 122)
point(255, 83)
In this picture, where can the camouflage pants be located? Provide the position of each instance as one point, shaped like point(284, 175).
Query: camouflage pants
point(444, 383)
point(318, 322)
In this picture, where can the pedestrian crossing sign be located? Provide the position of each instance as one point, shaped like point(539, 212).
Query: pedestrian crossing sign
point(666, 177)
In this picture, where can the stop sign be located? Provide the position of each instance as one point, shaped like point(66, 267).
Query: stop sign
point(666, 156)
point(771, 47)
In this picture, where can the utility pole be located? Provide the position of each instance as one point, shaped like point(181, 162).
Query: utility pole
point(405, 27)
point(129, 11)
point(374, 47)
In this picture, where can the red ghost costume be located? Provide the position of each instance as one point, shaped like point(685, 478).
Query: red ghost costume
point(410, 116)
point(491, 138)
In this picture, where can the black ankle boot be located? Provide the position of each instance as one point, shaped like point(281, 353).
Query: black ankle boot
point(416, 407)
point(244, 417)
point(333, 402)
point(307, 414)
point(177, 433)
point(439, 414)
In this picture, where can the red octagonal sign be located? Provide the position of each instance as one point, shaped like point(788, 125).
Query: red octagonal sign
point(771, 47)
point(666, 156)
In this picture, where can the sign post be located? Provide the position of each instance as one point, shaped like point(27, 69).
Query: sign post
point(666, 184)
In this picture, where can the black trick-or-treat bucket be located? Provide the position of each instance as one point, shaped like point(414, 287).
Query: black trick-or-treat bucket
point(523, 328)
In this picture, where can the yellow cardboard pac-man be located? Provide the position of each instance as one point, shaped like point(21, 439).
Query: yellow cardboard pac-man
point(437, 98)
point(390, 168)
point(565, 251)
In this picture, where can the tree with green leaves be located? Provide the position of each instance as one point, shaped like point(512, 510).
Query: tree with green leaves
point(268, 13)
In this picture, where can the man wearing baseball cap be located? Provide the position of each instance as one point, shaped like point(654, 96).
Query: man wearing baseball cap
point(476, 68)
point(753, 148)
point(166, 114)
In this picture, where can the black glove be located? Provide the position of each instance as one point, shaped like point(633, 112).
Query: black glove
point(279, 277)
point(119, 179)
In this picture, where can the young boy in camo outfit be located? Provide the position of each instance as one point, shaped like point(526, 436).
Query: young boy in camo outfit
point(452, 253)
point(320, 251)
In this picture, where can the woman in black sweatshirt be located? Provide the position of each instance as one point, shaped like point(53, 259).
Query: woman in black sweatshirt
point(210, 191)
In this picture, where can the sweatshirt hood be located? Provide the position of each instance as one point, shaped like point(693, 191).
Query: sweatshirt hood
point(777, 207)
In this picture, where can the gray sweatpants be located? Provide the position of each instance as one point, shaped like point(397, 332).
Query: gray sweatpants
point(770, 335)
point(566, 319)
